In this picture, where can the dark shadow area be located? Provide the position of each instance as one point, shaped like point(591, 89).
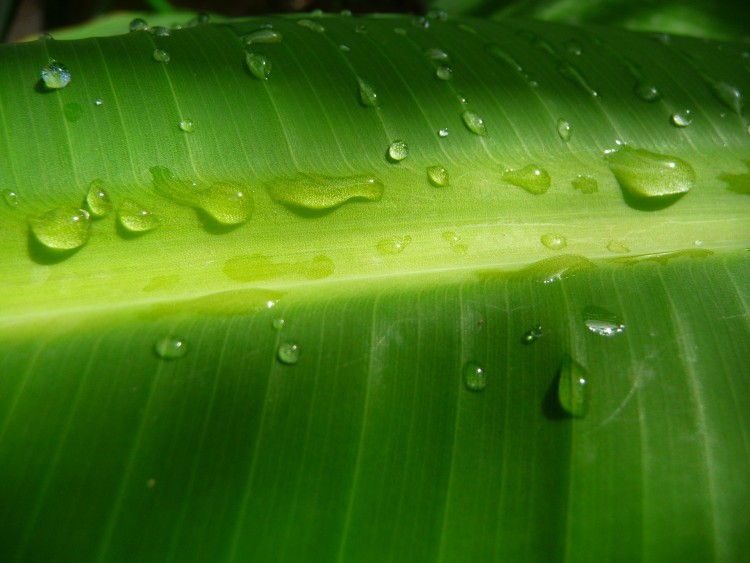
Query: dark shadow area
point(651, 203)
point(41, 88)
point(551, 408)
point(45, 255)
point(212, 226)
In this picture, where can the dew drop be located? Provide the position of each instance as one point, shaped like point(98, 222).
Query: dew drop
point(728, 95)
point(278, 323)
point(681, 118)
point(443, 132)
point(572, 387)
point(263, 36)
point(201, 19)
point(64, 228)
point(649, 177)
point(98, 200)
point(344, 48)
point(398, 151)
point(438, 176)
point(399, 31)
point(45, 37)
point(360, 28)
point(134, 218)
point(646, 91)
point(312, 25)
point(436, 54)
point(532, 335)
point(393, 245)
point(475, 377)
point(420, 22)
point(187, 125)
point(138, 24)
point(259, 65)
point(98, 102)
point(554, 241)
point(602, 322)
point(55, 75)
point(316, 192)
point(474, 123)
point(170, 348)
point(438, 14)
point(531, 178)
point(455, 241)
point(161, 56)
point(159, 31)
point(564, 129)
point(367, 94)
point(585, 184)
point(617, 247)
point(288, 353)
point(11, 198)
point(572, 74)
point(444, 72)
point(573, 47)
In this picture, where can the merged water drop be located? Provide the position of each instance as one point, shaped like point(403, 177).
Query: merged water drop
point(572, 387)
point(438, 176)
point(55, 75)
point(170, 348)
point(259, 65)
point(531, 178)
point(602, 322)
point(474, 376)
point(134, 218)
point(98, 200)
point(64, 228)
point(317, 192)
point(398, 151)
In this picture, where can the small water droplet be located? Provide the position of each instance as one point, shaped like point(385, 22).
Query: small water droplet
point(455, 241)
point(55, 75)
point(367, 94)
point(360, 28)
point(564, 129)
point(170, 348)
point(573, 47)
point(187, 125)
point(617, 247)
point(138, 24)
point(474, 123)
point(278, 323)
point(161, 56)
point(288, 353)
point(681, 118)
point(64, 228)
point(134, 218)
point(554, 241)
point(98, 102)
point(531, 178)
point(259, 65)
point(698, 242)
point(344, 48)
point(97, 199)
point(646, 91)
point(263, 36)
point(575, 76)
point(438, 14)
point(444, 72)
point(399, 31)
point(572, 387)
point(11, 198)
point(443, 132)
point(312, 25)
point(393, 245)
point(602, 322)
point(420, 22)
point(727, 94)
point(585, 184)
point(436, 54)
point(438, 176)
point(532, 335)
point(475, 377)
point(315, 192)
point(644, 175)
point(159, 31)
point(398, 151)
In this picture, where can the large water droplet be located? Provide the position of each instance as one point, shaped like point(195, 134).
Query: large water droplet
point(312, 25)
point(393, 245)
point(263, 36)
point(532, 335)
point(602, 322)
point(585, 184)
point(64, 228)
point(170, 348)
point(97, 199)
point(554, 241)
point(288, 353)
point(315, 192)
point(161, 56)
point(438, 176)
point(55, 75)
point(572, 387)
point(564, 129)
point(650, 179)
point(531, 178)
point(135, 218)
point(10, 197)
point(367, 94)
point(187, 125)
point(398, 151)
point(474, 122)
point(444, 72)
point(259, 65)
point(646, 91)
point(681, 118)
point(138, 24)
point(475, 377)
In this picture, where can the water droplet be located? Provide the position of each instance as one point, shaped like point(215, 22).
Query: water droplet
point(360, 28)
point(134, 218)
point(436, 54)
point(438, 14)
point(698, 242)
point(555, 269)
point(455, 241)
point(159, 31)
point(161, 56)
point(444, 72)
point(644, 175)
point(312, 26)
point(259, 65)
point(564, 129)
point(443, 132)
point(201, 19)
point(572, 387)
point(681, 118)
point(45, 37)
point(10, 197)
point(98, 102)
point(344, 48)
point(316, 13)
point(278, 323)
point(554, 241)
point(399, 31)
point(98, 200)
point(531, 178)
point(367, 94)
point(288, 353)
point(346, 13)
point(438, 176)
point(138, 24)
point(602, 322)
point(187, 125)
point(64, 228)
point(474, 122)
point(420, 22)
point(263, 36)
point(574, 75)
point(573, 47)
point(646, 91)
point(314, 191)
point(728, 95)
point(475, 377)
point(532, 335)
point(501, 54)
point(393, 245)
point(617, 247)
point(585, 184)
point(55, 75)
point(170, 348)
point(398, 151)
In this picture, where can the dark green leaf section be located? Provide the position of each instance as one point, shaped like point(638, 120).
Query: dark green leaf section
point(370, 447)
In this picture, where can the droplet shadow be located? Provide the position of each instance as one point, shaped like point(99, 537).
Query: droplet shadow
point(44, 255)
point(551, 407)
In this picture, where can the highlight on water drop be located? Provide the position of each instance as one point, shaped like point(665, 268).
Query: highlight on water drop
point(475, 377)
point(602, 322)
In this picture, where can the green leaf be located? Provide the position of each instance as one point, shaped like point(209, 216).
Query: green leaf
point(271, 336)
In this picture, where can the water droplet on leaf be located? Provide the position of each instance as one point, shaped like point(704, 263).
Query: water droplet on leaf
point(443, 132)
point(398, 151)
point(159, 31)
point(574, 75)
point(64, 228)
point(161, 56)
point(278, 323)
point(393, 245)
point(187, 125)
point(263, 36)
point(728, 95)
point(438, 176)
point(138, 24)
point(455, 241)
point(572, 387)
point(134, 218)
point(681, 118)
point(436, 54)
point(617, 247)
point(475, 377)
point(531, 178)
point(55, 75)
point(259, 65)
point(646, 91)
point(585, 184)
point(312, 25)
point(564, 129)
point(444, 72)
point(97, 199)
point(474, 122)
point(10, 197)
point(532, 335)
point(554, 241)
point(170, 348)
point(316, 192)
point(367, 94)
point(288, 353)
point(602, 322)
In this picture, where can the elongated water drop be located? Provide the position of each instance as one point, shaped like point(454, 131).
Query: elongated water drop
point(11, 198)
point(443, 132)
point(444, 72)
point(367, 94)
point(263, 36)
point(585, 184)
point(393, 245)
point(187, 125)
point(170, 348)
point(532, 335)
point(574, 75)
point(474, 123)
point(316, 192)
point(138, 24)
point(64, 228)
point(554, 241)
point(161, 56)
point(602, 322)
point(681, 118)
point(312, 25)
point(55, 75)
point(398, 151)
point(646, 91)
point(555, 269)
point(259, 65)
point(438, 176)
point(572, 387)
point(727, 94)
point(399, 31)
point(531, 178)
point(98, 200)
point(617, 247)
point(564, 129)
point(436, 54)
point(288, 353)
point(474, 376)
point(135, 218)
